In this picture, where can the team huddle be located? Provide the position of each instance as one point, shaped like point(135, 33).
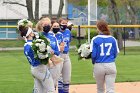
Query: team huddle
point(51, 76)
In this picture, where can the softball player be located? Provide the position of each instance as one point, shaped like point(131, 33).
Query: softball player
point(104, 50)
point(63, 83)
point(46, 26)
point(40, 72)
point(59, 36)
point(56, 30)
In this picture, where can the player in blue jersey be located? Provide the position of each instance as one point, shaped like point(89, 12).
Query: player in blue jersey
point(44, 26)
point(63, 83)
point(56, 31)
point(59, 36)
point(104, 50)
point(42, 77)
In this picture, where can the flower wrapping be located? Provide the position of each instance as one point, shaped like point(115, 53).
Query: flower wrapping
point(84, 51)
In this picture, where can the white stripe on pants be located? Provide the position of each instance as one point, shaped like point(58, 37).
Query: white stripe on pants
point(42, 79)
point(105, 73)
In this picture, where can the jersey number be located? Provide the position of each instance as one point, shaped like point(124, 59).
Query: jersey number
point(103, 45)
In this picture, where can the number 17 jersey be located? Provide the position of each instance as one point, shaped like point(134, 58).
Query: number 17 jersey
point(104, 49)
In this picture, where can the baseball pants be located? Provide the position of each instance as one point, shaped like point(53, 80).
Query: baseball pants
point(65, 77)
point(66, 68)
point(105, 74)
point(42, 79)
point(55, 72)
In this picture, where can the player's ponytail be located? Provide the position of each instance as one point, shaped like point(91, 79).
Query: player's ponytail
point(103, 27)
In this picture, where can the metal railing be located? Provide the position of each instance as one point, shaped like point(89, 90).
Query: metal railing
point(93, 26)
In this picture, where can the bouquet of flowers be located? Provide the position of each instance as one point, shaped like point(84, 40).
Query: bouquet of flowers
point(84, 51)
point(43, 51)
point(41, 48)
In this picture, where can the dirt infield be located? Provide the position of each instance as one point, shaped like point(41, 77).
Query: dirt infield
point(128, 87)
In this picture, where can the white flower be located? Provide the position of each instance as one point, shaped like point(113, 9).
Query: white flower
point(49, 49)
point(47, 55)
point(37, 44)
point(21, 22)
point(42, 47)
point(38, 40)
point(42, 41)
point(84, 50)
point(41, 56)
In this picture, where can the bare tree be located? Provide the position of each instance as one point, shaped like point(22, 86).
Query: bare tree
point(50, 9)
point(117, 21)
point(131, 9)
point(29, 6)
point(36, 10)
point(30, 9)
point(9, 2)
point(60, 9)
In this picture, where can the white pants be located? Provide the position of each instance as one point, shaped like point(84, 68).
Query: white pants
point(65, 69)
point(42, 79)
point(55, 72)
point(105, 73)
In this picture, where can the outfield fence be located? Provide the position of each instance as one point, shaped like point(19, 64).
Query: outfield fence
point(131, 45)
point(82, 34)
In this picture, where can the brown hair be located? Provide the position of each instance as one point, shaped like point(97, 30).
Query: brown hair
point(61, 19)
point(103, 27)
point(23, 30)
point(53, 21)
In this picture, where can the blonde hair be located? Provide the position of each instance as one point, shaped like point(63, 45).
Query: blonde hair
point(30, 24)
point(39, 26)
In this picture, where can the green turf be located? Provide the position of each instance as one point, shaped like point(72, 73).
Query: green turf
point(20, 43)
point(11, 43)
point(15, 74)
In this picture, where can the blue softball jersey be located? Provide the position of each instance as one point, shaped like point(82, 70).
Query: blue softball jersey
point(53, 42)
point(59, 37)
point(66, 39)
point(29, 53)
point(104, 49)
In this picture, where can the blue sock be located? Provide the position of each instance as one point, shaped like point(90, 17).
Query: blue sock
point(60, 87)
point(66, 88)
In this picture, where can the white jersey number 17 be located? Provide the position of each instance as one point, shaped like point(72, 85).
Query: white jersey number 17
point(103, 45)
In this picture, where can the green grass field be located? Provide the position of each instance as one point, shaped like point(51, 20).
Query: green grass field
point(20, 43)
point(15, 74)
